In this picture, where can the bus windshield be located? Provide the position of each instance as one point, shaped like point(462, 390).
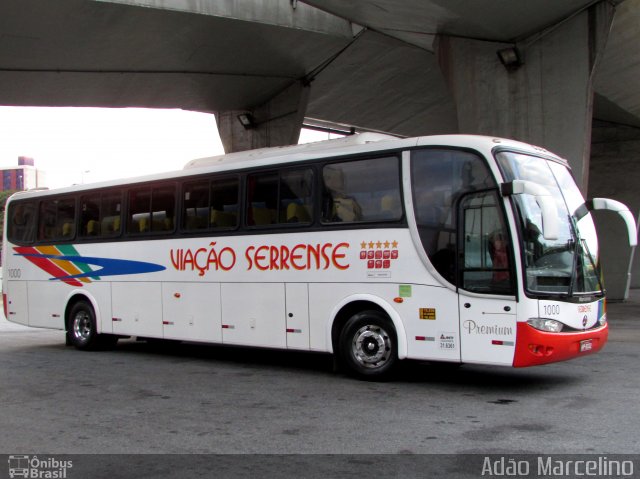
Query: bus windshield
point(566, 265)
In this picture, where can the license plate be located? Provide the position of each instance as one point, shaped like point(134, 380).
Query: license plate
point(586, 345)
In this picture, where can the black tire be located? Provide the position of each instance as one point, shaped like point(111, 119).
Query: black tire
point(82, 332)
point(368, 345)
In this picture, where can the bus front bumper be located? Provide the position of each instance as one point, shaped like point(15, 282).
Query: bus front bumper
point(534, 347)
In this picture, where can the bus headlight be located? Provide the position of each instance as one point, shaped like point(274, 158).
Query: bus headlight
point(548, 325)
point(603, 319)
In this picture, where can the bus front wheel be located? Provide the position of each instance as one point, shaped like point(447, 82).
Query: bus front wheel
point(82, 331)
point(368, 345)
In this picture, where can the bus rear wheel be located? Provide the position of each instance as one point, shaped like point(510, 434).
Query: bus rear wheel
point(368, 345)
point(82, 332)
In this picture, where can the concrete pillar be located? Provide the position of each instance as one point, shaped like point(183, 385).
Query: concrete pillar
point(547, 101)
point(277, 121)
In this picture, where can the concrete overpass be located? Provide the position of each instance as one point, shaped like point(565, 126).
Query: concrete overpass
point(414, 67)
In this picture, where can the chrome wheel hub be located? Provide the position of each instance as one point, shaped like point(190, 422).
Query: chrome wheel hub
point(82, 326)
point(371, 346)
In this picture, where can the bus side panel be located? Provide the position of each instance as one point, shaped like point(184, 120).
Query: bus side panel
point(191, 311)
point(47, 303)
point(297, 315)
point(99, 294)
point(137, 309)
point(430, 315)
point(17, 306)
point(253, 314)
point(325, 297)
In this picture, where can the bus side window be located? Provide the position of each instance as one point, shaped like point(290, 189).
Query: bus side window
point(152, 209)
point(339, 206)
point(439, 178)
point(22, 226)
point(100, 214)
point(280, 197)
point(163, 201)
point(210, 204)
point(195, 206)
point(262, 199)
point(485, 246)
point(110, 213)
point(362, 190)
point(139, 210)
point(57, 219)
point(89, 216)
point(295, 196)
point(224, 203)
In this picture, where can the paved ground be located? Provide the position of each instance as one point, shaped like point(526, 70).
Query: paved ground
point(142, 398)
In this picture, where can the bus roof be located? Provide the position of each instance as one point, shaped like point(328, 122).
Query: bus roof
point(360, 143)
point(277, 151)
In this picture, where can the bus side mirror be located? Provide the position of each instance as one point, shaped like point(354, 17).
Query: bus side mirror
point(550, 224)
point(616, 207)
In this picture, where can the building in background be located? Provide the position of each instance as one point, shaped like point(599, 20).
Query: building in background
point(23, 177)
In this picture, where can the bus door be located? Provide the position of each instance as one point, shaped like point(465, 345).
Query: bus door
point(486, 288)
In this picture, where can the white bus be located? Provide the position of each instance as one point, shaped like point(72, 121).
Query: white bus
point(462, 249)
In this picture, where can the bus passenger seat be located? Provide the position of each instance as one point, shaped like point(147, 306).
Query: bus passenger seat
point(67, 230)
point(297, 213)
point(196, 222)
point(262, 216)
point(143, 225)
point(93, 228)
point(221, 219)
point(347, 209)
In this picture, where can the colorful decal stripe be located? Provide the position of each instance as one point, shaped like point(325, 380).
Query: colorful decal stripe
point(65, 264)
point(68, 250)
point(33, 255)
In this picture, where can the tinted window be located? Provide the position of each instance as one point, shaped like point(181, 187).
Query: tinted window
point(151, 209)
point(195, 207)
point(439, 178)
point(210, 204)
point(224, 203)
point(22, 222)
point(280, 197)
point(57, 219)
point(363, 190)
point(485, 245)
point(100, 214)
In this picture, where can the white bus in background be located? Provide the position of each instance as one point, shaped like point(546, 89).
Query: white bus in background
point(463, 249)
